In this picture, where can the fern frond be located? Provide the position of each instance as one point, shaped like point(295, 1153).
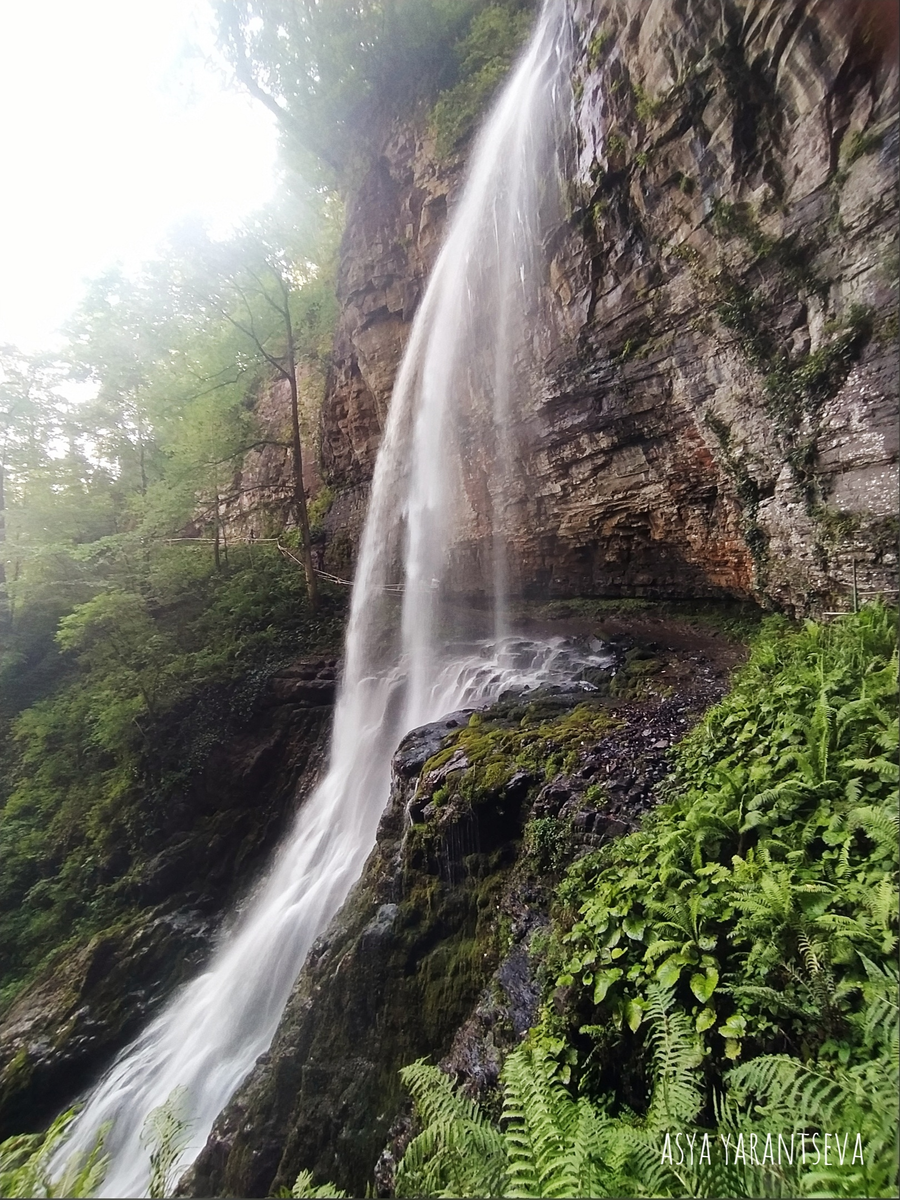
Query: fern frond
point(305, 1189)
point(789, 1091)
point(26, 1163)
point(458, 1152)
point(878, 824)
point(166, 1134)
point(677, 1097)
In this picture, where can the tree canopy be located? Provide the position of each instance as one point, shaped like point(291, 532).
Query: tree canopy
point(332, 70)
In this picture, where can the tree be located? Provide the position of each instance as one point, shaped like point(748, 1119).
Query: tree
point(28, 420)
point(327, 68)
point(279, 303)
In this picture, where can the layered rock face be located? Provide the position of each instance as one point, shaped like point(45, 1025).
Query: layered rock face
point(260, 497)
point(719, 413)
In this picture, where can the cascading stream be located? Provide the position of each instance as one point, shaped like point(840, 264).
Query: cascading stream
point(469, 365)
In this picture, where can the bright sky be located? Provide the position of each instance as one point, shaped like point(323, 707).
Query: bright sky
point(111, 132)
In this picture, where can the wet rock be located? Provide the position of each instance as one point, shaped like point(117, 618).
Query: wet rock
point(421, 744)
point(92, 998)
point(437, 950)
point(86, 1004)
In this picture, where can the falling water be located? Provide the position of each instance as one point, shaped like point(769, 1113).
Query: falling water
point(446, 488)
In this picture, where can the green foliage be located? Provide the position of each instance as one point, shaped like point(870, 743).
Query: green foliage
point(549, 842)
point(305, 1189)
point(616, 144)
point(166, 1135)
point(26, 1159)
point(484, 56)
point(458, 1152)
point(158, 676)
point(756, 890)
point(25, 1163)
point(550, 1143)
point(325, 70)
point(818, 376)
point(646, 107)
point(127, 647)
point(783, 1092)
point(599, 42)
point(739, 308)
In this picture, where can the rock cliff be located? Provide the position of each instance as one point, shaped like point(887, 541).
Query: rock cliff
point(719, 415)
point(91, 998)
point(437, 949)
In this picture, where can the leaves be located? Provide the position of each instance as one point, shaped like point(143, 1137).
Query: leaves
point(704, 985)
point(26, 1163)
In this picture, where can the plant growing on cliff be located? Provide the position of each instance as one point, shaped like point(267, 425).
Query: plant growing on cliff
point(485, 56)
point(326, 70)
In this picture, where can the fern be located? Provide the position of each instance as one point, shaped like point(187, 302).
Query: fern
point(305, 1189)
point(25, 1163)
point(166, 1134)
point(458, 1152)
point(676, 1055)
point(550, 1138)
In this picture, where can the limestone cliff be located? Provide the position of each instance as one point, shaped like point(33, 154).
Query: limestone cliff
point(720, 413)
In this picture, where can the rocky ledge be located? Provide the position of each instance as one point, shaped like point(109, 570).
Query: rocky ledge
point(436, 950)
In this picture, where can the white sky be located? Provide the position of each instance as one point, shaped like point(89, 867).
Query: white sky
point(109, 134)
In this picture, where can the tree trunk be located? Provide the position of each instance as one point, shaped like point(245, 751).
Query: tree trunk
point(299, 494)
point(4, 601)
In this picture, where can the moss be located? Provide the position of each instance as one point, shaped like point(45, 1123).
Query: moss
point(599, 42)
point(646, 107)
point(632, 680)
point(747, 490)
point(494, 751)
point(857, 144)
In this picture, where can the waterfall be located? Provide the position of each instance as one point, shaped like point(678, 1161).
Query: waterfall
point(447, 485)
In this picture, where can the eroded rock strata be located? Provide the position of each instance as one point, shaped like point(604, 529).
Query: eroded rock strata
point(720, 416)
